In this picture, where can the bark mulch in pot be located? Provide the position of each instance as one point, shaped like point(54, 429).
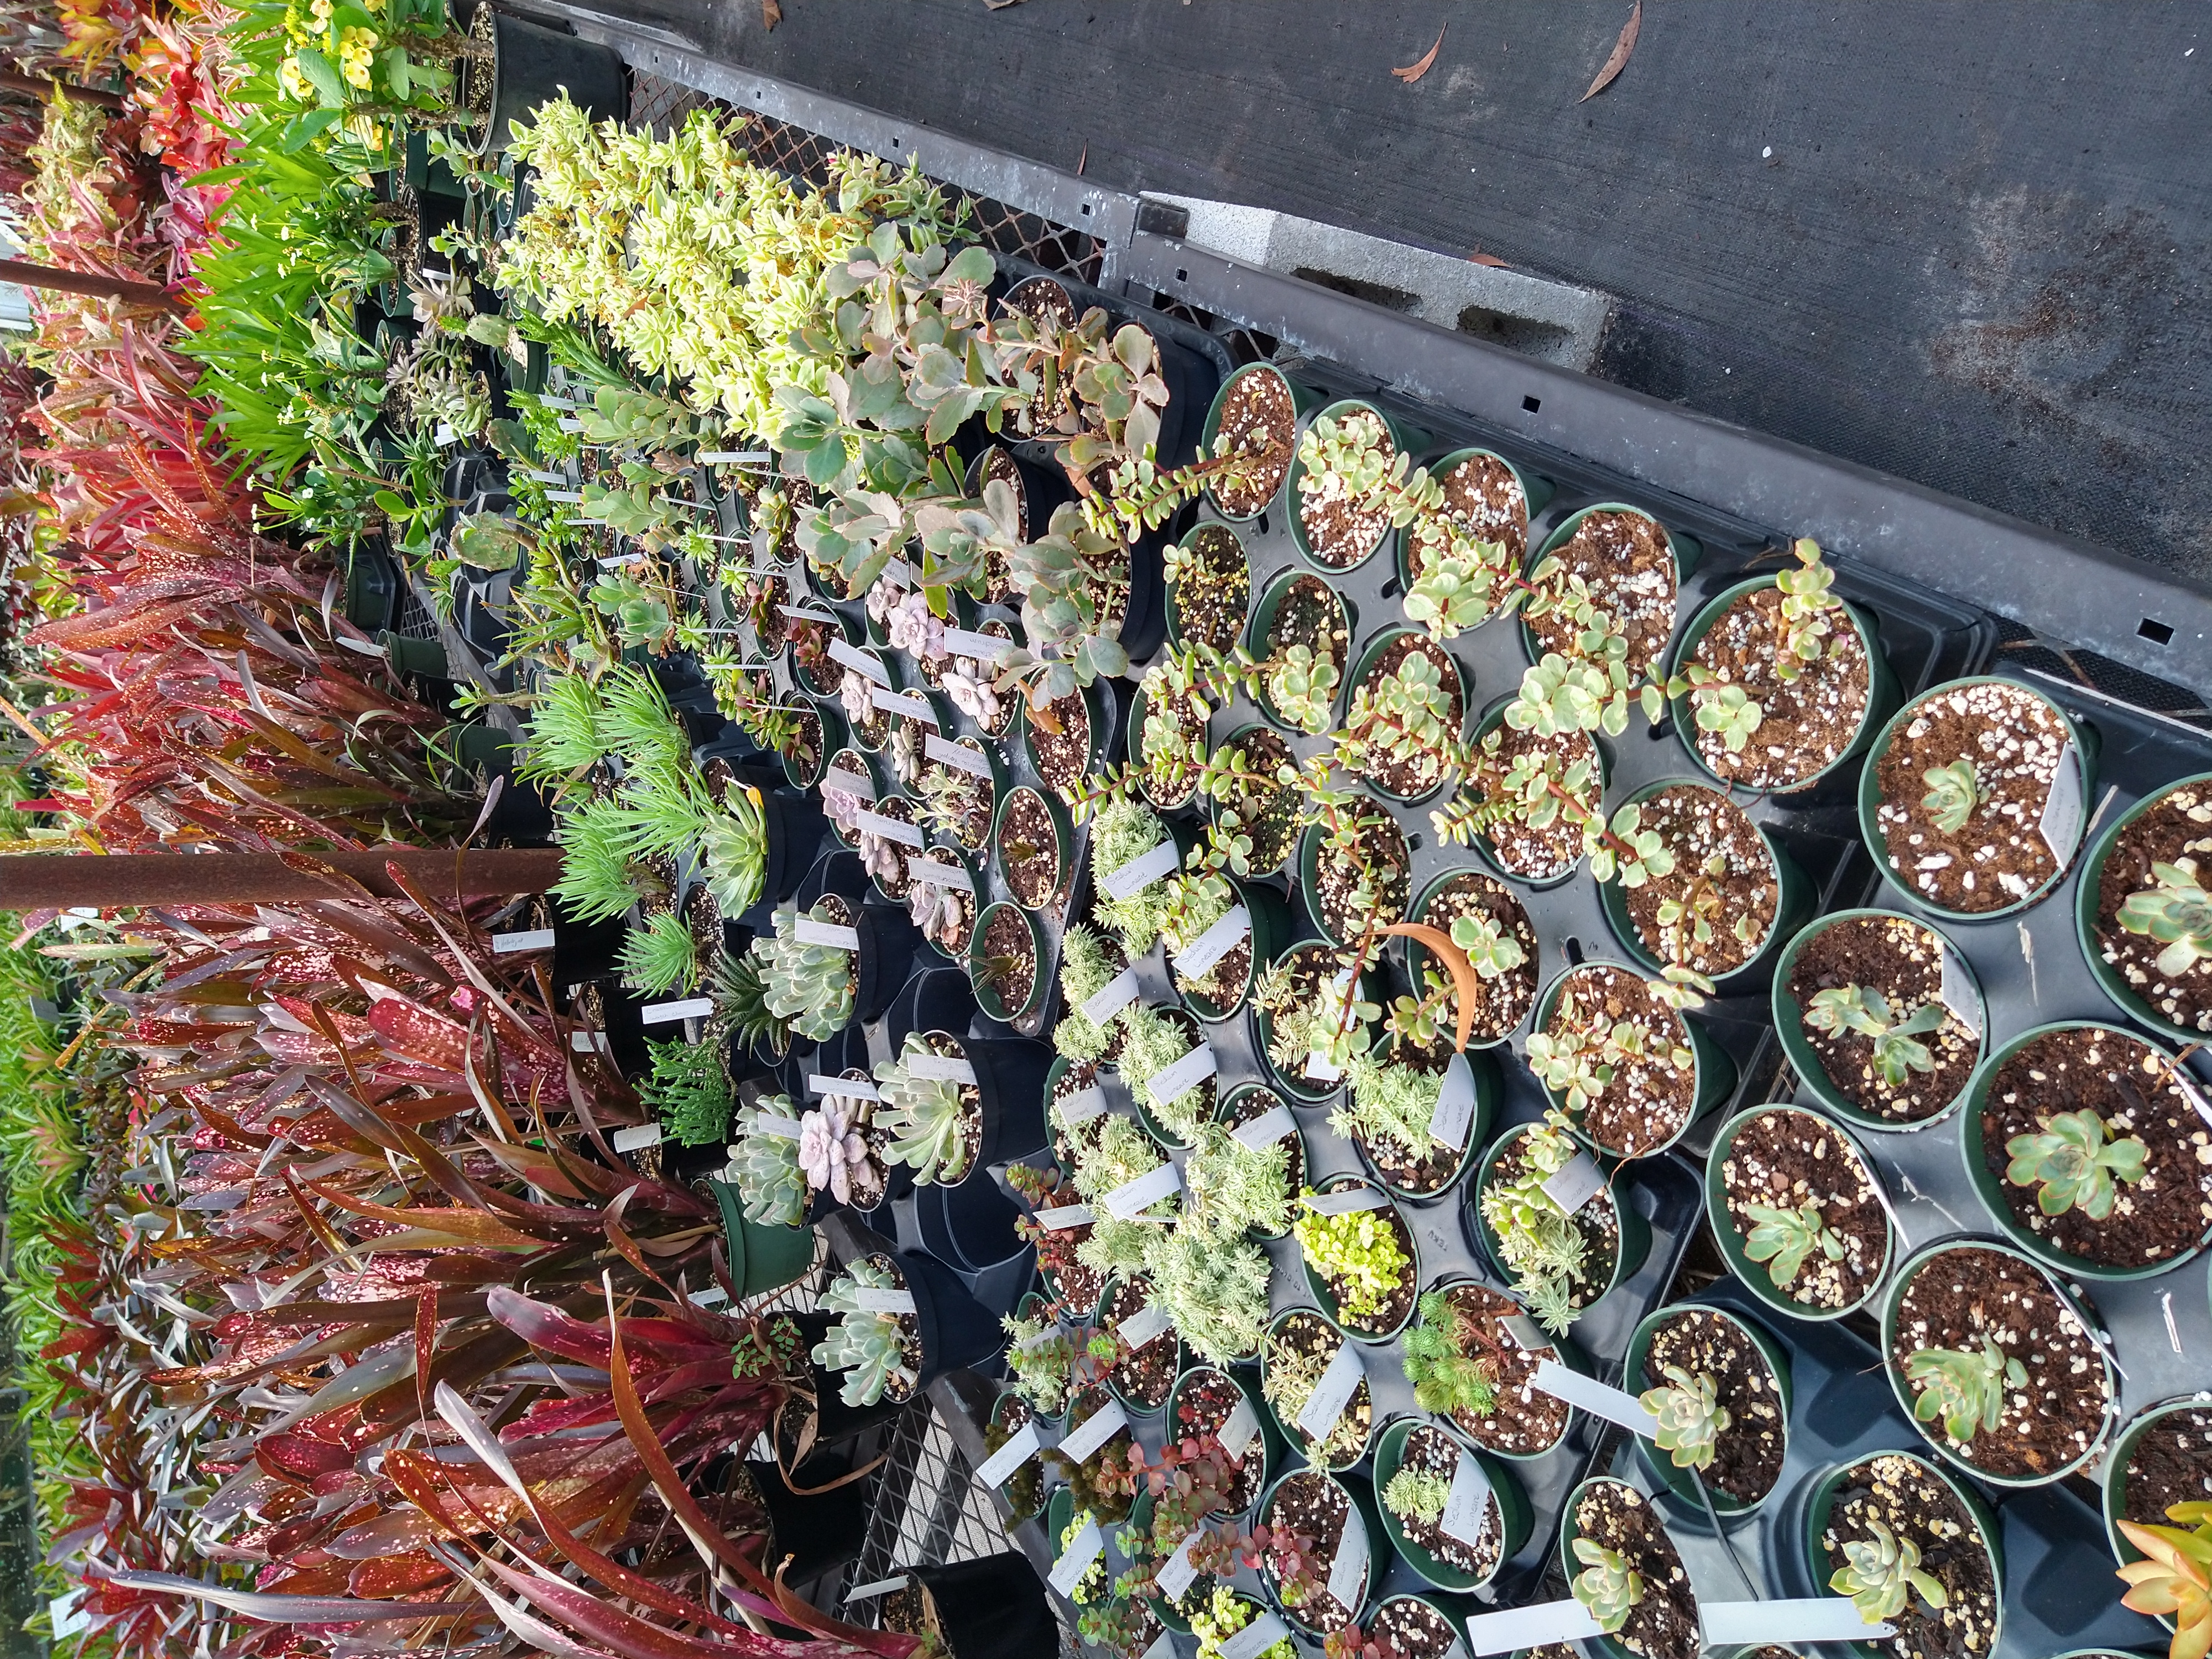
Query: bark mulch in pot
point(2180, 827)
point(1339, 531)
point(1011, 953)
point(1664, 1624)
point(1029, 849)
point(1597, 1221)
point(1956, 1300)
point(2016, 742)
point(1436, 1452)
point(1503, 1003)
point(1525, 1420)
point(1206, 1402)
point(1260, 422)
point(1748, 1454)
point(1313, 1506)
point(1904, 961)
point(1060, 736)
point(2132, 1087)
point(1532, 854)
point(2171, 1464)
point(1483, 497)
point(1914, 1506)
point(1647, 1101)
point(1146, 1375)
point(1413, 1629)
point(1346, 901)
point(1805, 724)
point(1624, 559)
point(1416, 774)
point(1212, 587)
point(1784, 1160)
point(1701, 825)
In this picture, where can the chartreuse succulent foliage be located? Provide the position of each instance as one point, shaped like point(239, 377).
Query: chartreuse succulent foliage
point(2074, 1163)
point(1358, 1253)
point(863, 1344)
point(809, 987)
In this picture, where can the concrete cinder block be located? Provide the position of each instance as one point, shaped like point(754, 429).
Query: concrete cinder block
point(1555, 321)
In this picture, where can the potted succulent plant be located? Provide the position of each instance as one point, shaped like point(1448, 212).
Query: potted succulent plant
point(1203, 1401)
point(1066, 739)
point(1228, 1614)
point(1560, 1260)
point(1140, 1375)
point(1882, 1017)
point(1104, 1481)
point(941, 906)
point(1247, 1104)
point(1355, 871)
point(763, 1168)
point(1254, 419)
point(1632, 1081)
point(1797, 1211)
point(955, 1105)
point(1626, 1573)
point(1252, 800)
point(1408, 707)
point(892, 1353)
point(1532, 791)
point(1362, 1266)
point(1006, 957)
point(1090, 961)
point(764, 1255)
point(1046, 1359)
point(1154, 1039)
point(1022, 1492)
point(1414, 1463)
point(1911, 1547)
point(960, 802)
point(1489, 927)
point(1167, 737)
point(1296, 648)
point(1074, 1283)
point(1721, 900)
point(1974, 797)
point(1998, 1363)
point(1209, 581)
point(2154, 1490)
point(1299, 1346)
point(1034, 842)
point(1408, 1626)
point(1454, 558)
point(1304, 1520)
point(1611, 570)
point(1198, 900)
point(1351, 484)
point(1720, 1388)
point(2084, 1141)
point(1467, 1366)
point(2144, 914)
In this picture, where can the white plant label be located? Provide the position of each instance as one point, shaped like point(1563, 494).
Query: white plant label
point(2190, 1092)
point(446, 436)
point(1111, 997)
point(849, 655)
point(1454, 1115)
point(1466, 1508)
point(586, 1042)
point(1320, 1068)
point(1527, 1334)
point(1178, 1078)
point(1958, 992)
point(800, 613)
point(894, 702)
point(1145, 1326)
point(940, 875)
point(1238, 1429)
point(1574, 1186)
point(1255, 1638)
point(713, 1297)
point(1265, 1130)
point(1067, 1571)
point(1531, 1627)
point(1347, 1573)
point(1163, 1646)
point(870, 1299)
point(845, 1088)
point(1095, 1430)
point(539, 475)
point(569, 422)
point(536, 938)
point(958, 756)
point(1347, 1201)
point(1133, 1198)
point(734, 458)
point(1081, 1106)
point(1215, 943)
point(900, 573)
point(665, 1013)
point(1178, 1572)
point(897, 829)
point(637, 1138)
point(994, 1470)
point(1331, 1394)
point(831, 935)
point(941, 1069)
point(880, 1587)
point(850, 783)
point(784, 1128)
point(1141, 871)
point(2063, 807)
point(1812, 1618)
point(980, 647)
point(1062, 1217)
point(573, 496)
point(1562, 1383)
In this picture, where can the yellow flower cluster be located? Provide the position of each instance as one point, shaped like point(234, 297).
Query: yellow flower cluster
point(357, 55)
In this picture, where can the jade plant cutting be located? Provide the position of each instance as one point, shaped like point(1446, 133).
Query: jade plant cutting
point(868, 1347)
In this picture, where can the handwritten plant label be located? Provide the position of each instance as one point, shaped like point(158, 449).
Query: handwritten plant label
point(1082, 1550)
point(1527, 1334)
point(978, 648)
point(1265, 1130)
point(1063, 1216)
point(539, 475)
point(1467, 1507)
point(664, 1013)
point(1215, 943)
point(1163, 1646)
point(850, 783)
point(940, 875)
point(941, 1069)
point(831, 935)
point(536, 938)
point(1141, 871)
point(1132, 1198)
point(1331, 1394)
point(869, 1298)
point(1347, 1573)
point(1345, 1200)
point(584, 1043)
point(573, 496)
point(637, 1138)
point(734, 458)
point(1562, 1383)
point(994, 1470)
point(1178, 1078)
point(887, 829)
point(1454, 1115)
point(1111, 997)
point(1178, 1572)
point(1531, 1627)
point(845, 1088)
point(1081, 1106)
point(2063, 807)
point(1575, 1185)
point(1145, 1326)
point(958, 756)
point(1255, 1638)
point(1808, 1619)
point(906, 704)
point(1094, 1432)
point(1237, 1430)
point(849, 655)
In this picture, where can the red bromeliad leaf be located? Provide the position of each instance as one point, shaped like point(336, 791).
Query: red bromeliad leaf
point(394, 1576)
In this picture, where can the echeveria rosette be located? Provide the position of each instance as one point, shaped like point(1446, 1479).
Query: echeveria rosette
point(830, 1149)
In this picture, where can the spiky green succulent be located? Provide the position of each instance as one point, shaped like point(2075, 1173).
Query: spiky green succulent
point(1417, 1495)
point(809, 986)
point(1445, 1378)
point(741, 997)
point(2074, 1163)
point(864, 1345)
point(688, 1091)
point(923, 1116)
point(765, 1169)
point(659, 956)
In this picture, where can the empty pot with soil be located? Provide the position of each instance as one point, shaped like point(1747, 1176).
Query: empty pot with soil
point(1868, 1523)
point(1256, 413)
point(1415, 1464)
point(1610, 1535)
point(2144, 914)
point(1035, 843)
point(1730, 899)
point(1796, 1211)
point(1720, 1387)
point(1005, 959)
point(1066, 739)
point(1975, 797)
point(1209, 581)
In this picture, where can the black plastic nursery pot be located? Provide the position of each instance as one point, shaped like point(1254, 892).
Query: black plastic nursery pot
point(992, 1608)
point(1819, 1509)
point(2088, 902)
point(1271, 932)
point(535, 65)
point(1407, 440)
point(796, 829)
point(835, 1422)
point(1514, 1518)
point(1301, 399)
point(935, 999)
point(813, 1531)
point(1635, 1230)
point(1682, 1482)
point(763, 1257)
point(1753, 1275)
point(889, 941)
point(1714, 1072)
point(990, 996)
point(957, 1330)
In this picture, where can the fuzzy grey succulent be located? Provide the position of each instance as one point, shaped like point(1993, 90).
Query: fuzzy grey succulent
point(923, 1116)
point(771, 1189)
point(864, 1345)
point(809, 986)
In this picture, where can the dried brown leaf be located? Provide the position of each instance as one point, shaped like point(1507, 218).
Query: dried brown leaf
point(1478, 258)
point(1413, 72)
point(771, 14)
point(1619, 61)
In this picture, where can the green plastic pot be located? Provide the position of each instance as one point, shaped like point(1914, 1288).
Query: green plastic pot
point(1063, 843)
point(987, 994)
point(1302, 400)
point(1295, 1086)
point(1293, 1437)
point(1094, 708)
point(2113, 1488)
point(1257, 641)
point(1174, 612)
point(1417, 955)
point(998, 1413)
point(945, 852)
point(1635, 1228)
point(1883, 692)
point(1687, 550)
point(1457, 680)
point(1139, 710)
point(2085, 746)
point(1897, 1386)
point(836, 735)
point(1488, 1090)
point(1309, 877)
point(1059, 1513)
point(1362, 1494)
point(2109, 979)
point(1988, 1187)
point(1753, 1275)
point(1318, 1287)
point(1683, 1483)
point(1491, 718)
point(1513, 1508)
point(1213, 808)
point(1535, 494)
point(1225, 1109)
point(1569, 1355)
point(1822, 1502)
point(1155, 1125)
point(1271, 932)
point(1134, 1408)
point(1714, 1072)
point(1033, 1305)
point(1409, 441)
point(1611, 1646)
point(1790, 1024)
point(1794, 900)
point(763, 1257)
point(1269, 1443)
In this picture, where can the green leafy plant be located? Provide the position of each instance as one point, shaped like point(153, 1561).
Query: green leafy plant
point(1607, 1588)
point(1458, 586)
point(1417, 1495)
point(1539, 1242)
point(1880, 1571)
point(1152, 1042)
point(1445, 1375)
point(1785, 1240)
point(661, 956)
point(1122, 831)
point(1224, 1615)
point(2176, 911)
point(1581, 1049)
point(1953, 792)
point(1233, 1187)
point(1729, 713)
point(2078, 1170)
point(1387, 1103)
point(1690, 1417)
point(924, 1115)
point(741, 1003)
point(810, 987)
point(1405, 717)
point(1044, 1357)
point(1087, 966)
point(1358, 1253)
point(1301, 687)
point(1288, 1378)
point(864, 1345)
point(1808, 610)
point(688, 1091)
point(1213, 1282)
point(764, 1165)
point(1965, 1388)
point(1898, 1050)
